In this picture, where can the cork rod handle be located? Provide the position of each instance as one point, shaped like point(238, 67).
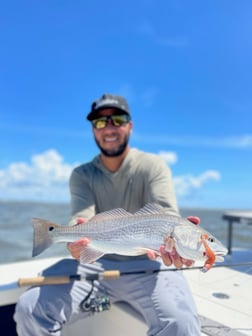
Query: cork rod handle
point(64, 279)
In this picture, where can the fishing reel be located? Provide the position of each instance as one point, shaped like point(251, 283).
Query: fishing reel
point(96, 304)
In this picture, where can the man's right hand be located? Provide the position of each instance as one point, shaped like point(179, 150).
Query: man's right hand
point(75, 247)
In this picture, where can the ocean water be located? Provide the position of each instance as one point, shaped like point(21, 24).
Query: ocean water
point(16, 234)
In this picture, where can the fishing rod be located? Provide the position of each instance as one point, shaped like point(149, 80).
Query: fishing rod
point(105, 275)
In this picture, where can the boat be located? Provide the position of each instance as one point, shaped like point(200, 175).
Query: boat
point(223, 295)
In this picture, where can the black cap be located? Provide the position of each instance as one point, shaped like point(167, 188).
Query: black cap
point(108, 101)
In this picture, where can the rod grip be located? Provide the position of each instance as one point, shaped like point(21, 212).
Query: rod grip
point(41, 280)
point(113, 274)
point(64, 279)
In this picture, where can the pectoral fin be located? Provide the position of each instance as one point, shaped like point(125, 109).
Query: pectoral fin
point(89, 254)
point(150, 252)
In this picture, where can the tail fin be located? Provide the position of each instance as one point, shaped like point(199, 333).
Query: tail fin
point(42, 235)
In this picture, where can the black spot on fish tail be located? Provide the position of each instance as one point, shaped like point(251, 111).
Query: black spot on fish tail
point(41, 235)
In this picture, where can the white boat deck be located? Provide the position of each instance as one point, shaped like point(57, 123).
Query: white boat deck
point(224, 296)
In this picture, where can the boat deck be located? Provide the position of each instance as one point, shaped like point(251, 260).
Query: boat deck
point(224, 295)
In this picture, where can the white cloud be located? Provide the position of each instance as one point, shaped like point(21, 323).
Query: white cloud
point(187, 184)
point(169, 157)
point(45, 178)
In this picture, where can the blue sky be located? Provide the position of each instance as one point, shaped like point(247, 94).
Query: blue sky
point(184, 66)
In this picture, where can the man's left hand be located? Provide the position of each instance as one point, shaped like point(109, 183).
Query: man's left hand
point(173, 257)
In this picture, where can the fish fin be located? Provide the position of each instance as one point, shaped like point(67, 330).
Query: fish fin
point(145, 250)
point(150, 208)
point(115, 213)
point(42, 238)
point(90, 254)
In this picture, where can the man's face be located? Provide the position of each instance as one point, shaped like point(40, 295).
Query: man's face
point(112, 140)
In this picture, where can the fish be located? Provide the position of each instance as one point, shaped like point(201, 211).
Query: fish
point(119, 232)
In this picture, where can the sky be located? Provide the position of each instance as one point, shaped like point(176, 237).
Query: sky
point(185, 68)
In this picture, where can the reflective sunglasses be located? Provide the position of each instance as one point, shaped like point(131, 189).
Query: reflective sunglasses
point(117, 120)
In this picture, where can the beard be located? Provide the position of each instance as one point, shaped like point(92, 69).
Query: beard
point(116, 151)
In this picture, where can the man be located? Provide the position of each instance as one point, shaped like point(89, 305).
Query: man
point(120, 177)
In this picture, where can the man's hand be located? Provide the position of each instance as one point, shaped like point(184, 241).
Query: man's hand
point(75, 247)
point(173, 257)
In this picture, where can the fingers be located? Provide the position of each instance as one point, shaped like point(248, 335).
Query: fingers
point(195, 220)
point(169, 254)
point(81, 220)
point(170, 258)
point(165, 256)
point(173, 257)
point(187, 262)
point(152, 255)
point(76, 247)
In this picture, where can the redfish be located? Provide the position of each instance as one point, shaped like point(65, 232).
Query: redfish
point(120, 232)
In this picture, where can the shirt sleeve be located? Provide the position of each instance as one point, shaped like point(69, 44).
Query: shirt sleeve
point(159, 186)
point(82, 197)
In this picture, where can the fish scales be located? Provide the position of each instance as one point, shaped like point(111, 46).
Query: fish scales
point(134, 227)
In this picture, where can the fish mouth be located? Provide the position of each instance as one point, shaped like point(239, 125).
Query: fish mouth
point(219, 255)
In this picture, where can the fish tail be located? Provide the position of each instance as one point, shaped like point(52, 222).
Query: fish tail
point(42, 237)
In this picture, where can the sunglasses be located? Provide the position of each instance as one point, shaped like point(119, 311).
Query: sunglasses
point(117, 120)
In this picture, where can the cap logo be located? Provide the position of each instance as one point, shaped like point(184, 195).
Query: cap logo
point(106, 101)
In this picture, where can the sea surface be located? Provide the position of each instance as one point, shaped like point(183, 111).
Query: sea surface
point(16, 233)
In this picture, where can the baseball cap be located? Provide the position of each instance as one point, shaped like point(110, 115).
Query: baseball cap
point(108, 101)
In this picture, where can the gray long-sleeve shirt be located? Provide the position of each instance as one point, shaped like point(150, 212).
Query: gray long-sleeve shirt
point(142, 178)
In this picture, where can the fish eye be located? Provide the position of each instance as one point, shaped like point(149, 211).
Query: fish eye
point(51, 228)
point(211, 239)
